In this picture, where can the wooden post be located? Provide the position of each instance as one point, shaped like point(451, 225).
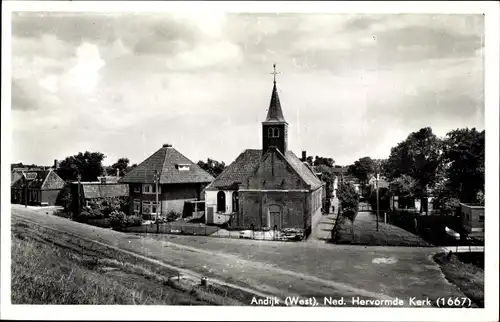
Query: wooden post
point(78, 177)
point(26, 194)
point(157, 178)
point(377, 202)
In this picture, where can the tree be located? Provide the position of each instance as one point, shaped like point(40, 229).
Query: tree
point(463, 154)
point(405, 187)
point(349, 203)
point(121, 165)
point(419, 156)
point(329, 162)
point(21, 165)
point(212, 166)
point(88, 165)
point(362, 169)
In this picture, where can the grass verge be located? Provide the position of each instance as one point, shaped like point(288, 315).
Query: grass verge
point(51, 267)
point(365, 233)
point(468, 277)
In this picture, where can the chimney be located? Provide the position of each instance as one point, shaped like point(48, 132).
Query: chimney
point(117, 172)
point(56, 164)
point(304, 156)
point(166, 145)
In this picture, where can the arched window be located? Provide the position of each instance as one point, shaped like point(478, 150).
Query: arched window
point(276, 132)
point(221, 201)
point(273, 132)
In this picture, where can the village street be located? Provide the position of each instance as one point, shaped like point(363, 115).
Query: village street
point(278, 268)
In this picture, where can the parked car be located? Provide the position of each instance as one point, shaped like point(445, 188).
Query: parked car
point(247, 234)
point(453, 234)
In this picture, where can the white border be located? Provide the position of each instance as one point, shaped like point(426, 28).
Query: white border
point(491, 9)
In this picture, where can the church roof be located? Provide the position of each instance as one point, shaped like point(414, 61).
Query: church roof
point(238, 171)
point(248, 161)
point(173, 167)
point(275, 113)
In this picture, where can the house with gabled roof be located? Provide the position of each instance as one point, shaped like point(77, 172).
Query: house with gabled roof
point(268, 188)
point(43, 187)
point(179, 180)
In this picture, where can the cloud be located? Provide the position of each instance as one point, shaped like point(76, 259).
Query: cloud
point(126, 83)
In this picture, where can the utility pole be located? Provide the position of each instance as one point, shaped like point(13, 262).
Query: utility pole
point(157, 179)
point(79, 178)
point(26, 193)
point(377, 200)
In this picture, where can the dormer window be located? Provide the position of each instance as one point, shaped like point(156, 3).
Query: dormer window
point(273, 132)
point(183, 167)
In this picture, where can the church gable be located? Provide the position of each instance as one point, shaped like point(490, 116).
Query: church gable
point(275, 173)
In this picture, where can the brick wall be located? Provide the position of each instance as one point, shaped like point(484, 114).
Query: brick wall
point(254, 207)
point(50, 196)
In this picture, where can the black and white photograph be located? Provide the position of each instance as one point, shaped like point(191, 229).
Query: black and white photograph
point(254, 161)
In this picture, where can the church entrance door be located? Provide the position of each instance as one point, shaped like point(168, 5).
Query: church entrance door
point(274, 217)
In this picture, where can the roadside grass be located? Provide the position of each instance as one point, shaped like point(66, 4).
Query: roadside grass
point(365, 233)
point(468, 277)
point(53, 268)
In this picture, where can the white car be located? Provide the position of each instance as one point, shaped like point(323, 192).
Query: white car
point(452, 233)
point(246, 234)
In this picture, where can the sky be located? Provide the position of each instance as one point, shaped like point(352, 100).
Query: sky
point(350, 85)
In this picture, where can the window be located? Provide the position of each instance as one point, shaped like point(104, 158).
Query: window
point(137, 206)
point(150, 188)
point(137, 189)
point(273, 132)
point(150, 208)
point(481, 218)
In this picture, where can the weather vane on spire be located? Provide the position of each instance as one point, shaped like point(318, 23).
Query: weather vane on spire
point(274, 73)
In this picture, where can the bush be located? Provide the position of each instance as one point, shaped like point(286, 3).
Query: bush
point(63, 213)
point(173, 215)
point(65, 198)
point(349, 203)
point(88, 214)
point(118, 219)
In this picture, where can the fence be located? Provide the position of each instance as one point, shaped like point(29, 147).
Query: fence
point(191, 229)
point(430, 227)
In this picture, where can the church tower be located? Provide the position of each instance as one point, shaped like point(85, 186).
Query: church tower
point(275, 128)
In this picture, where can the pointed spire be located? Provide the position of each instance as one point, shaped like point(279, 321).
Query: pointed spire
point(275, 114)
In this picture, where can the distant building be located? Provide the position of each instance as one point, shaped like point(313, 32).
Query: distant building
point(38, 187)
point(382, 183)
point(268, 188)
point(106, 187)
point(180, 180)
point(472, 217)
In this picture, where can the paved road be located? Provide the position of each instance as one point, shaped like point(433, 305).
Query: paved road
point(280, 268)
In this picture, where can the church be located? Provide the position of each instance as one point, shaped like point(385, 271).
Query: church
point(268, 188)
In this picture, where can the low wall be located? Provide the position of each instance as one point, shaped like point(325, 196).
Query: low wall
point(173, 228)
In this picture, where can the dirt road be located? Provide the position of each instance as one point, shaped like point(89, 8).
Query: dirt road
point(279, 269)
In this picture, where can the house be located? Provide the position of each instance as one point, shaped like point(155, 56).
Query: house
point(43, 187)
point(268, 188)
point(382, 182)
point(180, 180)
point(472, 217)
point(106, 187)
point(16, 194)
